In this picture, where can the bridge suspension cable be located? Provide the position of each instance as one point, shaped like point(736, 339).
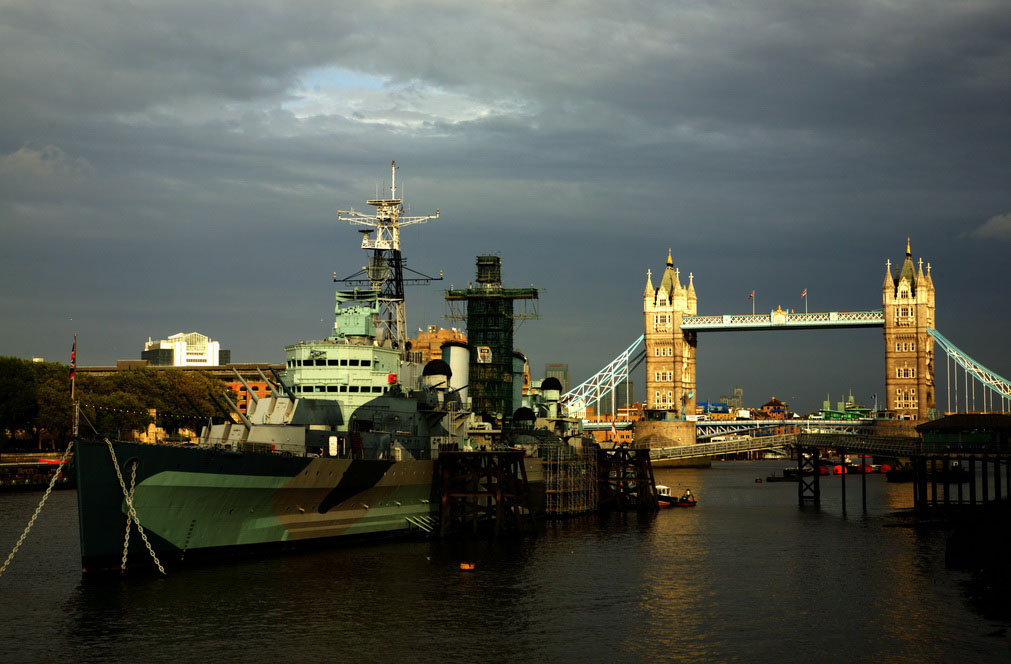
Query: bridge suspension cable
point(605, 381)
point(997, 385)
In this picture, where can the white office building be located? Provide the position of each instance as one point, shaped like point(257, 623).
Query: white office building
point(184, 350)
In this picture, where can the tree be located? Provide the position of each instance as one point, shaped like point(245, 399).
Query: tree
point(18, 398)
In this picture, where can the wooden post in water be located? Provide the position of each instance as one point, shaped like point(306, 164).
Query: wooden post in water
point(946, 474)
point(972, 481)
point(961, 464)
point(863, 481)
point(996, 479)
point(985, 488)
point(842, 480)
point(932, 474)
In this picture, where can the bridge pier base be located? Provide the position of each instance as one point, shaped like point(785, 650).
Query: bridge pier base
point(809, 483)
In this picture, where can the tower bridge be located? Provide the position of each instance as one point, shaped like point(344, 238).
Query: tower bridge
point(670, 339)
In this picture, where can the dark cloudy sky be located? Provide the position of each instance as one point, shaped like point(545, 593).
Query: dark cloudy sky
point(177, 166)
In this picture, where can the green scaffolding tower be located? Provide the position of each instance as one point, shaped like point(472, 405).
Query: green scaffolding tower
point(490, 317)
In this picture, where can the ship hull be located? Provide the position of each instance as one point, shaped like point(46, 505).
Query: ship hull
point(197, 503)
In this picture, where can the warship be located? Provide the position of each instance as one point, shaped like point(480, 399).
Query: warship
point(342, 447)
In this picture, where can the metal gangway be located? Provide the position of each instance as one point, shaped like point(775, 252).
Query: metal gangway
point(849, 443)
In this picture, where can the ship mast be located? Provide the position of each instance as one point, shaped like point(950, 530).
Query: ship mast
point(385, 271)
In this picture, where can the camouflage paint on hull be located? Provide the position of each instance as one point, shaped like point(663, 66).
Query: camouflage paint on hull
point(199, 501)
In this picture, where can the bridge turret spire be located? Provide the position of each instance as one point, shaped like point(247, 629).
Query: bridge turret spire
point(889, 280)
point(649, 284)
point(908, 271)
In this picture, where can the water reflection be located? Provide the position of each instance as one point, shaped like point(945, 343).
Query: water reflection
point(746, 576)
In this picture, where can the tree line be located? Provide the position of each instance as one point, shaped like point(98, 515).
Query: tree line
point(36, 411)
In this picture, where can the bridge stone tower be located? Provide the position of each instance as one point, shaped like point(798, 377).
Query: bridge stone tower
point(670, 351)
point(908, 307)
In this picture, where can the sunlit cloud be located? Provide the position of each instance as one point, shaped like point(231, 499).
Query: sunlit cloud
point(997, 227)
point(44, 163)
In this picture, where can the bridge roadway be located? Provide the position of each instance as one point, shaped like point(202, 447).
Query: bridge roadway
point(845, 443)
point(709, 428)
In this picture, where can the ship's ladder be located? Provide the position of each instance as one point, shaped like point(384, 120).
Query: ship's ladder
point(423, 523)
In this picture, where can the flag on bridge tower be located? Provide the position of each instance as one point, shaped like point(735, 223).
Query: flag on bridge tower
point(751, 295)
point(804, 294)
point(614, 431)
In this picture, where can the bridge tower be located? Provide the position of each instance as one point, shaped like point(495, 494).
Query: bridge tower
point(908, 307)
point(670, 351)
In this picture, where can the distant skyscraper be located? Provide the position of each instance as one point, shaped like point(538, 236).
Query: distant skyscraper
point(622, 398)
point(736, 401)
point(559, 370)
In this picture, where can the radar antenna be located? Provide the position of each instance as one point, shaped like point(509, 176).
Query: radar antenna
point(385, 270)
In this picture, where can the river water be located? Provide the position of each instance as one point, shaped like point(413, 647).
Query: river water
point(747, 576)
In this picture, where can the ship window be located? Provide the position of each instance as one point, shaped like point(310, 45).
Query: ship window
point(366, 363)
point(352, 388)
point(332, 363)
point(377, 388)
point(344, 363)
point(353, 363)
point(344, 388)
point(331, 388)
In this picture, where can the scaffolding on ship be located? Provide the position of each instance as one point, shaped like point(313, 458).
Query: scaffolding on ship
point(570, 480)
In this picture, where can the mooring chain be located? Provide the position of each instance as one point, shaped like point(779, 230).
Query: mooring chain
point(129, 519)
point(131, 512)
point(45, 497)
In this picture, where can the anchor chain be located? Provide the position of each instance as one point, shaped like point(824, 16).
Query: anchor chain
point(131, 511)
point(45, 497)
point(129, 519)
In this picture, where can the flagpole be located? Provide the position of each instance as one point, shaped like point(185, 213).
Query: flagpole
point(73, 387)
point(752, 303)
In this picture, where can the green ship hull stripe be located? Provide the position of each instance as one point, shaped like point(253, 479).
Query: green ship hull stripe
point(202, 510)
